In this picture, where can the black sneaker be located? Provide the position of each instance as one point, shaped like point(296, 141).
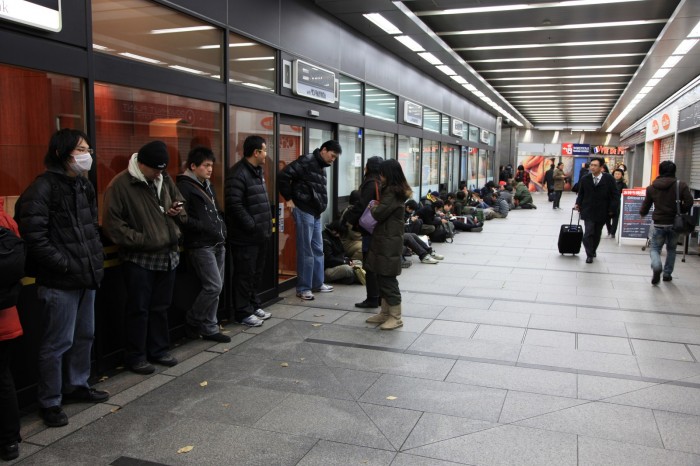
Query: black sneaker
point(9, 452)
point(54, 416)
point(218, 337)
point(166, 360)
point(656, 278)
point(85, 395)
point(667, 278)
point(142, 367)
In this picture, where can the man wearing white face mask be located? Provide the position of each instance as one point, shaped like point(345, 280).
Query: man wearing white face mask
point(57, 218)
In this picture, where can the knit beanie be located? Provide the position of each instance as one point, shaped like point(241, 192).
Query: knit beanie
point(154, 155)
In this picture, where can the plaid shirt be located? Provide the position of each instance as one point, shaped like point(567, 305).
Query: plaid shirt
point(160, 262)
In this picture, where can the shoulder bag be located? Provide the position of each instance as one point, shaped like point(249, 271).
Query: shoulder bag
point(367, 222)
point(683, 224)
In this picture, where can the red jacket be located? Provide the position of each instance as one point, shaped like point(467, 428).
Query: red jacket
point(9, 319)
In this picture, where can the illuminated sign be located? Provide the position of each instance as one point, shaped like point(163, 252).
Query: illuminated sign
point(313, 82)
point(608, 150)
point(662, 124)
point(457, 127)
point(484, 136)
point(569, 148)
point(42, 14)
point(412, 113)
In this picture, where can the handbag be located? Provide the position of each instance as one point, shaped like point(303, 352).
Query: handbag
point(367, 221)
point(683, 224)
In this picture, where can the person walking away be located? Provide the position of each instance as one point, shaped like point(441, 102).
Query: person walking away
point(303, 184)
point(597, 200)
point(204, 241)
point(549, 180)
point(559, 181)
point(143, 212)
point(662, 195)
point(249, 219)
point(384, 256)
point(57, 218)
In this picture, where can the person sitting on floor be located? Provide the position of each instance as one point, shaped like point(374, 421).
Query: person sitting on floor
point(352, 239)
point(506, 193)
point(425, 253)
point(522, 197)
point(337, 266)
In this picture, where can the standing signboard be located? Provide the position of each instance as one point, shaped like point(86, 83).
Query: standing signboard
point(633, 228)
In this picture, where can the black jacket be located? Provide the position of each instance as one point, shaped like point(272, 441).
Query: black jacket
point(248, 214)
point(304, 182)
point(427, 214)
point(205, 224)
point(662, 193)
point(57, 218)
point(549, 178)
point(597, 203)
point(369, 189)
point(333, 251)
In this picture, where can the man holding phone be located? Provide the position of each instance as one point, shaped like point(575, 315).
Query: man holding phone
point(143, 211)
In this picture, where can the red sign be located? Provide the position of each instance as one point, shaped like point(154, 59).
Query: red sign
point(635, 192)
point(609, 150)
point(655, 126)
point(567, 148)
point(665, 121)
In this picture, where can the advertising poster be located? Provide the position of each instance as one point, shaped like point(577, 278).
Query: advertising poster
point(632, 225)
point(537, 165)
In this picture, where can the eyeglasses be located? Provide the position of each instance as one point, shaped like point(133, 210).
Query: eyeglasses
point(84, 150)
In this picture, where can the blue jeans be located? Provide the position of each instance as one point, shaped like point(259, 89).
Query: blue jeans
point(68, 324)
point(660, 236)
point(309, 251)
point(208, 265)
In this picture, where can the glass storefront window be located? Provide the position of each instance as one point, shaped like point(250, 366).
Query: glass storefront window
point(144, 31)
point(350, 95)
point(127, 118)
point(492, 139)
point(472, 168)
point(431, 120)
point(350, 164)
point(35, 104)
point(445, 125)
point(380, 144)
point(380, 104)
point(449, 168)
point(473, 133)
point(483, 168)
point(409, 158)
point(430, 161)
point(246, 122)
point(251, 64)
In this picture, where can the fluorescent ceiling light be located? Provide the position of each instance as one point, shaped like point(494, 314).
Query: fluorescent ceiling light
point(253, 59)
point(608, 24)
point(568, 57)
point(564, 91)
point(661, 72)
point(470, 87)
point(696, 31)
point(102, 48)
point(382, 23)
point(524, 70)
point(140, 58)
point(555, 96)
point(410, 43)
point(184, 29)
point(576, 76)
point(184, 68)
point(563, 85)
point(560, 44)
point(256, 86)
point(522, 6)
point(685, 46)
point(446, 69)
point(459, 79)
point(236, 44)
point(430, 58)
point(672, 61)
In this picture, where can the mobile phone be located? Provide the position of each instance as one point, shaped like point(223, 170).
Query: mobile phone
point(177, 204)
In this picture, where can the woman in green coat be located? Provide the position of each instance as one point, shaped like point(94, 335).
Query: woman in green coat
point(384, 256)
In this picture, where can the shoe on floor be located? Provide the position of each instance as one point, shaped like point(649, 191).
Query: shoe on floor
point(9, 452)
point(668, 278)
point(306, 295)
point(191, 332)
point(262, 315)
point(369, 303)
point(166, 360)
point(323, 289)
point(428, 260)
point(142, 367)
point(656, 278)
point(405, 264)
point(85, 395)
point(54, 416)
point(436, 256)
point(217, 337)
point(589, 260)
point(252, 321)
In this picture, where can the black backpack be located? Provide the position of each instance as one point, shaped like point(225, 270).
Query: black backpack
point(12, 258)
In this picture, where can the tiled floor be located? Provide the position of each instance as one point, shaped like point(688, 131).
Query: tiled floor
point(511, 354)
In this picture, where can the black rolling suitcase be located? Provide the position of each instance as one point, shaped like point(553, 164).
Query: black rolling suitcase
point(570, 236)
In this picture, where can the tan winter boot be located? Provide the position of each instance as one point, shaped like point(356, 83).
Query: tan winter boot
point(394, 320)
point(382, 316)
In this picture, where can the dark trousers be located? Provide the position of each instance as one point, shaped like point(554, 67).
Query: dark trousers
point(389, 289)
point(248, 266)
point(412, 242)
point(150, 293)
point(371, 278)
point(611, 223)
point(9, 411)
point(557, 199)
point(591, 236)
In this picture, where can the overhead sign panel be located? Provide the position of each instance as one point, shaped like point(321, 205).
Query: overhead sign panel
point(42, 14)
point(313, 82)
point(412, 113)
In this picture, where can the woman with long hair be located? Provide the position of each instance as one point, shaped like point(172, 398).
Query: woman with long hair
point(384, 255)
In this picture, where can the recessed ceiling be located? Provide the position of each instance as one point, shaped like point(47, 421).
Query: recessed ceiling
point(567, 64)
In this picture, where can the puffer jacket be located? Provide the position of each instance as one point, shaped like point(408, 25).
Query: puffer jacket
point(333, 251)
point(662, 193)
point(205, 226)
point(10, 326)
point(248, 213)
point(522, 194)
point(369, 188)
point(57, 218)
point(384, 257)
point(304, 182)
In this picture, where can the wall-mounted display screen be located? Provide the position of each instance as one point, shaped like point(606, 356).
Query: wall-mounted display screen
point(42, 14)
point(313, 82)
point(412, 113)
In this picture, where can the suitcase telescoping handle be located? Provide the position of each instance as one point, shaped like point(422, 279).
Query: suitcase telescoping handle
point(571, 222)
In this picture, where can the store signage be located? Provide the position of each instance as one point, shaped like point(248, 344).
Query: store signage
point(569, 148)
point(662, 124)
point(412, 113)
point(484, 136)
point(634, 225)
point(42, 14)
point(608, 150)
point(457, 127)
point(313, 82)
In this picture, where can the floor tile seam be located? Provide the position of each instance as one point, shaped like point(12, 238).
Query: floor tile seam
point(369, 418)
point(492, 427)
point(420, 418)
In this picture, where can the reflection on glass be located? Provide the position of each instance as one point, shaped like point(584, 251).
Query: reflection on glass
point(350, 95)
point(473, 133)
point(143, 31)
point(483, 162)
point(472, 169)
point(430, 161)
point(409, 158)
point(251, 64)
point(291, 147)
point(445, 125)
point(350, 164)
point(380, 144)
point(380, 104)
point(431, 120)
point(449, 166)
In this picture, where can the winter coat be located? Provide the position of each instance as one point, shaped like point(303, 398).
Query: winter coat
point(333, 251)
point(10, 326)
point(304, 182)
point(522, 194)
point(136, 220)
point(384, 256)
point(559, 179)
point(368, 191)
point(205, 224)
point(248, 213)
point(549, 179)
point(662, 193)
point(597, 203)
point(57, 218)
point(427, 214)
point(508, 197)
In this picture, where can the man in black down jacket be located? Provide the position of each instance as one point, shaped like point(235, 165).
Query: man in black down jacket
point(662, 194)
point(303, 184)
point(205, 237)
point(57, 217)
point(249, 221)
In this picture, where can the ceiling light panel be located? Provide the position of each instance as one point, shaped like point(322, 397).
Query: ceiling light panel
point(382, 23)
point(430, 58)
point(577, 44)
point(608, 24)
point(531, 6)
point(411, 44)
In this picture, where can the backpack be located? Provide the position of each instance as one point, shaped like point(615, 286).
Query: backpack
point(12, 258)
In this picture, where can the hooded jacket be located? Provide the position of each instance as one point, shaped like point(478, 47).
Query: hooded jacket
point(205, 225)
point(304, 182)
point(369, 188)
point(662, 193)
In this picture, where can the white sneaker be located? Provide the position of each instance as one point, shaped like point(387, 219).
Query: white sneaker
point(251, 321)
point(262, 315)
point(306, 295)
point(436, 256)
point(428, 260)
point(324, 288)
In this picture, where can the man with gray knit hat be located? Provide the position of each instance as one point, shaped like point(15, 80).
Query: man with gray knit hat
point(142, 213)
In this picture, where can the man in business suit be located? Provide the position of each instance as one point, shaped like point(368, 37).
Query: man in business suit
point(597, 200)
